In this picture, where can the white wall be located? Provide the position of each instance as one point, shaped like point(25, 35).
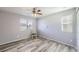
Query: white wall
point(10, 27)
point(78, 30)
point(34, 26)
point(50, 27)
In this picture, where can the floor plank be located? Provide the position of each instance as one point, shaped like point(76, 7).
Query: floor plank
point(41, 45)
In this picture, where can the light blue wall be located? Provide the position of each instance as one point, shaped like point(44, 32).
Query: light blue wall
point(50, 27)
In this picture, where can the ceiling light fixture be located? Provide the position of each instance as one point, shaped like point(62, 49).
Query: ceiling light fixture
point(36, 12)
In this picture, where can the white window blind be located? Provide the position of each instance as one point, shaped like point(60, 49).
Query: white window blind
point(23, 24)
point(66, 23)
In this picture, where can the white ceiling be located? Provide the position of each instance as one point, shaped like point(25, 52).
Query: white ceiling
point(27, 11)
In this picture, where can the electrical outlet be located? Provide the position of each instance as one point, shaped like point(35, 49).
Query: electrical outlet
point(70, 40)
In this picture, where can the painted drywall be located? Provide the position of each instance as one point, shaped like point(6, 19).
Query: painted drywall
point(10, 27)
point(34, 25)
point(50, 27)
point(78, 30)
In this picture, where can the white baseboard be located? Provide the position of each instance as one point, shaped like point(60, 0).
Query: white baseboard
point(58, 41)
point(17, 39)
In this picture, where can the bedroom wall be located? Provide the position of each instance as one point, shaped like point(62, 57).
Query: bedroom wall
point(78, 30)
point(10, 27)
point(50, 27)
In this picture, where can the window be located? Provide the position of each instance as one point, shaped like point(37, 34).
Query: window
point(66, 23)
point(23, 21)
point(23, 24)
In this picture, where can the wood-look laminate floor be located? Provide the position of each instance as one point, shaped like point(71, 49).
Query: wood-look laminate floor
point(40, 45)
